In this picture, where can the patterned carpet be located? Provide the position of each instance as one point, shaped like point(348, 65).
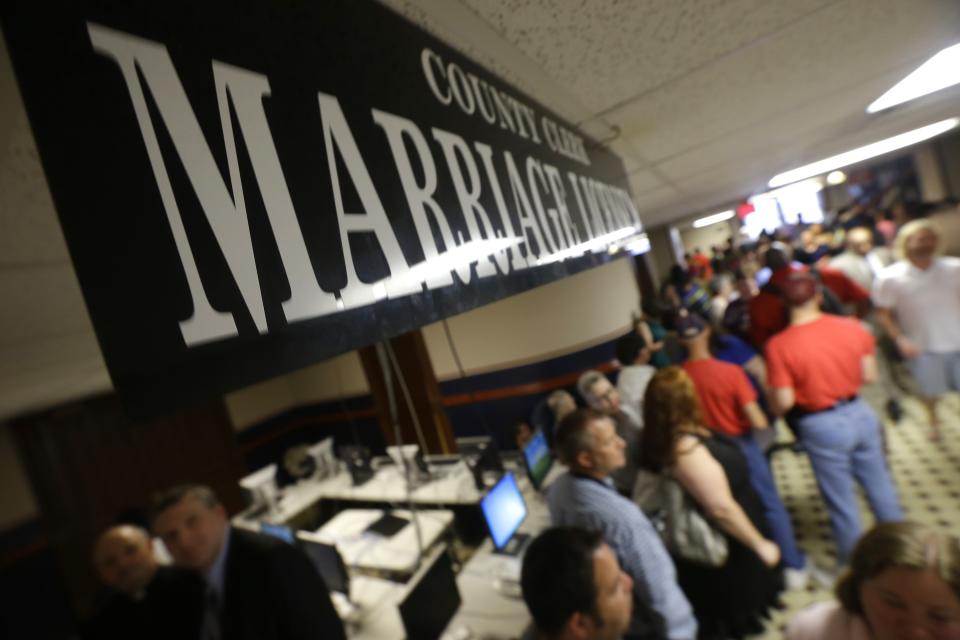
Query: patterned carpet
point(928, 481)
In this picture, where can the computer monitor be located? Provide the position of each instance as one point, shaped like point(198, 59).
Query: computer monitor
point(504, 511)
point(262, 486)
point(324, 462)
point(278, 531)
point(328, 562)
point(536, 456)
point(432, 599)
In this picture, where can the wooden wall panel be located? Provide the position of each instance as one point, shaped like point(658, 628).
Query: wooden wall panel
point(411, 354)
point(88, 463)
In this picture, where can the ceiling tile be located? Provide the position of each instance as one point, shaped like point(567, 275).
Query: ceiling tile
point(816, 57)
point(609, 51)
point(41, 301)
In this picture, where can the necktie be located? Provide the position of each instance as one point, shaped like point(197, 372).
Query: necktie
point(211, 615)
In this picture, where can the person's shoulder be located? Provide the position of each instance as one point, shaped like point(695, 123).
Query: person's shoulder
point(709, 368)
point(243, 539)
point(895, 271)
point(826, 621)
point(779, 339)
point(256, 547)
point(720, 367)
point(689, 442)
point(730, 341)
point(605, 500)
point(635, 372)
point(830, 271)
point(840, 261)
point(949, 262)
point(588, 502)
point(175, 579)
point(268, 557)
point(831, 323)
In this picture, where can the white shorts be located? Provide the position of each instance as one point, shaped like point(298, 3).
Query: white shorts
point(936, 373)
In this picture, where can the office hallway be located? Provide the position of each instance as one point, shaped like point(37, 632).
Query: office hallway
point(928, 481)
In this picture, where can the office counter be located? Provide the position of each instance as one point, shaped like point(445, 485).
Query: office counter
point(488, 581)
point(396, 555)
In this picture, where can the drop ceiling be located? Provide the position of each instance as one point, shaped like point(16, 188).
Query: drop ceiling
point(706, 100)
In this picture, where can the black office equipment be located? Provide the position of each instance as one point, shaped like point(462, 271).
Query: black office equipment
point(482, 456)
point(329, 564)
point(409, 459)
point(388, 525)
point(357, 459)
point(433, 599)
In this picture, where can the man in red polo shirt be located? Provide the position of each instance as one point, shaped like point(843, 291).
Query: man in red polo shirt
point(729, 404)
point(815, 368)
point(768, 314)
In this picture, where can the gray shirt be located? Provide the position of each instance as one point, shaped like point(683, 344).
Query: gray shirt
point(627, 428)
point(592, 504)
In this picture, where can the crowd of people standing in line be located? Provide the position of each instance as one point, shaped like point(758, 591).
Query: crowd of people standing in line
point(772, 329)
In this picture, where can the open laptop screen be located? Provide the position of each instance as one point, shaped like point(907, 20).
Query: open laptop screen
point(329, 564)
point(538, 459)
point(433, 601)
point(504, 510)
point(277, 531)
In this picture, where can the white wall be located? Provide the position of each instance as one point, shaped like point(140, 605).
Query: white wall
point(705, 237)
point(339, 377)
point(930, 174)
point(552, 320)
point(250, 405)
point(661, 253)
point(948, 148)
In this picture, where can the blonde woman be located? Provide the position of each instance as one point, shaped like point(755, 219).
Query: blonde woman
point(903, 582)
point(918, 304)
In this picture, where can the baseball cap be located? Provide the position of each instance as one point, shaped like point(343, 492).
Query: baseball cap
point(690, 326)
point(799, 288)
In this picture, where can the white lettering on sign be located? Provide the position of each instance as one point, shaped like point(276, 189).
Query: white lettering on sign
point(469, 91)
point(490, 230)
point(225, 209)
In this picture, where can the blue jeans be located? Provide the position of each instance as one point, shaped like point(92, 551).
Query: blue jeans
point(844, 444)
point(777, 517)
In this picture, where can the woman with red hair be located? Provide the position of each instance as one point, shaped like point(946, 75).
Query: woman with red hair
point(731, 600)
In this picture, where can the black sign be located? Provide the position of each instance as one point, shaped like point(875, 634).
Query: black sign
point(247, 188)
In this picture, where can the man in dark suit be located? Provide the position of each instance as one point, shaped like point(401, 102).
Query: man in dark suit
point(145, 600)
point(257, 587)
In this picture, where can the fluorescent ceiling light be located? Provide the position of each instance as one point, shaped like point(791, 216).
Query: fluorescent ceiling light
point(713, 219)
point(797, 189)
point(939, 72)
point(863, 153)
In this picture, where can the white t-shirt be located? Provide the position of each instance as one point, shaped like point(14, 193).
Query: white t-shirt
point(927, 303)
point(632, 384)
point(856, 267)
